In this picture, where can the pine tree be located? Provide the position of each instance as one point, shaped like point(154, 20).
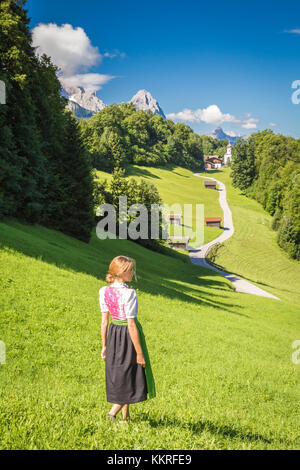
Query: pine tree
point(23, 164)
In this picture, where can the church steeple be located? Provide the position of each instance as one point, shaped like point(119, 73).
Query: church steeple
point(228, 154)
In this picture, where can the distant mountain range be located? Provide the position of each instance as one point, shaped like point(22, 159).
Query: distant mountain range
point(85, 103)
point(219, 134)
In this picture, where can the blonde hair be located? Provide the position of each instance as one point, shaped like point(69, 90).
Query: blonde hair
point(118, 266)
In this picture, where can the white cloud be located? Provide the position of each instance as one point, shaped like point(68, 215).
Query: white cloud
point(70, 48)
point(89, 81)
point(112, 55)
point(272, 124)
point(293, 31)
point(72, 51)
point(213, 115)
point(250, 123)
point(233, 134)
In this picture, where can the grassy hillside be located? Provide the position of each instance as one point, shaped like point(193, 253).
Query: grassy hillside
point(252, 252)
point(221, 360)
point(178, 185)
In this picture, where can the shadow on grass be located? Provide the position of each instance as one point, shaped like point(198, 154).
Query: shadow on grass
point(204, 297)
point(209, 172)
point(218, 266)
point(134, 171)
point(198, 427)
point(143, 172)
point(167, 277)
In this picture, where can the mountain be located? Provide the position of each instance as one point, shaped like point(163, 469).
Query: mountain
point(144, 101)
point(84, 103)
point(79, 111)
point(219, 134)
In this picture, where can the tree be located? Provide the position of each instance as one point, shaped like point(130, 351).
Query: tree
point(119, 134)
point(137, 193)
point(44, 169)
point(76, 178)
point(243, 169)
point(267, 167)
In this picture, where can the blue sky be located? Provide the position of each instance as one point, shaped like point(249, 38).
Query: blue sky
point(241, 56)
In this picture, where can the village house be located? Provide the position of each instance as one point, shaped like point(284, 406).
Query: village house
point(208, 165)
point(212, 162)
point(175, 219)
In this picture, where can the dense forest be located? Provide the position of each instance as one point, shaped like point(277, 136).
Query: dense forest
point(266, 167)
point(120, 135)
point(45, 173)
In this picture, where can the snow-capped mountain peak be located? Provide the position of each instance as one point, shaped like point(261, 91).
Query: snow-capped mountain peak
point(143, 100)
point(86, 99)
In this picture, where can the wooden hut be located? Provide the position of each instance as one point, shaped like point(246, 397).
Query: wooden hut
point(213, 221)
point(175, 219)
point(210, 184)
point(179, 243)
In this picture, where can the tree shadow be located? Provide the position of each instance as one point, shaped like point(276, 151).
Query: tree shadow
point(198, 427)
point(209, 172)
point(246, 278)
point(168, 273)
point(140, 172)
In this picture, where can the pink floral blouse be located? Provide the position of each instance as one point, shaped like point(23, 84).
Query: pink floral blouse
point(119, 299)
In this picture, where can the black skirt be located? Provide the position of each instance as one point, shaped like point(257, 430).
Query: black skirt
point(125, 379)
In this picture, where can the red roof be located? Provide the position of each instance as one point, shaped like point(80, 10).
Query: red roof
point(213, 219)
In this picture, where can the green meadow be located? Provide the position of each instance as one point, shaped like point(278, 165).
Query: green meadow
point(252, 252)
point(222, 360)
point(179, 186)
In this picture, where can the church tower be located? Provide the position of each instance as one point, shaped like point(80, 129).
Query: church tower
point(228, 154)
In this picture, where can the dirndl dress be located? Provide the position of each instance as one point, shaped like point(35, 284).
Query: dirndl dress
point(127, 382)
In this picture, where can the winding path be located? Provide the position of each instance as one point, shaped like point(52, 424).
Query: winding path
point(198, 255)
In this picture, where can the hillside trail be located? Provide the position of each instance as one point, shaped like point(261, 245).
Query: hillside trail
point(198, 255)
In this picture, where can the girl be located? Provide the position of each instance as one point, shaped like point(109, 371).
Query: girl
point(128, 373)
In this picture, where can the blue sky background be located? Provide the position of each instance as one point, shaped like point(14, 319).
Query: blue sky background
point(236, 54)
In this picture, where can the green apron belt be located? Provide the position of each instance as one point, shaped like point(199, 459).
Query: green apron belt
point(148, 370)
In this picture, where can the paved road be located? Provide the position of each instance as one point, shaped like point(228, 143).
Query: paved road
point(198, 255)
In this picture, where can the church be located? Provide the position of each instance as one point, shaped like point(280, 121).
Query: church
point(228, 154)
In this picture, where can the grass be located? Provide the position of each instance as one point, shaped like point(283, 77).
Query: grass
point(253, 252)
point(178, 185)
point(221, 359)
